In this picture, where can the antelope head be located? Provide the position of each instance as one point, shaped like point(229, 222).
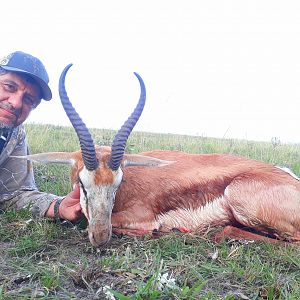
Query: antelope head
point(98, 170)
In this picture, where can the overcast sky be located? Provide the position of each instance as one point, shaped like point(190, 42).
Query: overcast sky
point(213, 68)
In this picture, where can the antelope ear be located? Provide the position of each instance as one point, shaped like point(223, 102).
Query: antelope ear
point(67, 158)
point(135, 160)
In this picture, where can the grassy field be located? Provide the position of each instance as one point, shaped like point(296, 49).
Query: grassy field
point(43, 260)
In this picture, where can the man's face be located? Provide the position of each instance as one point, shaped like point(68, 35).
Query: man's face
point(18, 96)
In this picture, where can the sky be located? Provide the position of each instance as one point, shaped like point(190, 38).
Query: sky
point(224, 69)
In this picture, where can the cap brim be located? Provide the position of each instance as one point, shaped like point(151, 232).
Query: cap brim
point(46, 91)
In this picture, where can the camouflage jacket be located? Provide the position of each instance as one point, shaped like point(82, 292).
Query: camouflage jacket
point(17, 184)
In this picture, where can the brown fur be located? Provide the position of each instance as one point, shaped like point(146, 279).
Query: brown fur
point(261, 196)
point(193, 193)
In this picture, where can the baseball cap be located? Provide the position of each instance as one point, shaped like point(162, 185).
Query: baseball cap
point(21, 62)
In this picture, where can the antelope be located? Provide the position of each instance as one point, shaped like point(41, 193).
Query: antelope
point(162, 190)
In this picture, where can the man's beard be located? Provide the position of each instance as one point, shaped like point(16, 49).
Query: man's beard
point(17, 112)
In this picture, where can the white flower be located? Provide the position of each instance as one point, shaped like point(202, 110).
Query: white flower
point(166, 281)
point(108, 294)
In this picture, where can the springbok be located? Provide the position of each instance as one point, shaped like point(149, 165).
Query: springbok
point(159, 191)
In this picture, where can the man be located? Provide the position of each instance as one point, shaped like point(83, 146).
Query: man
point(23, 84)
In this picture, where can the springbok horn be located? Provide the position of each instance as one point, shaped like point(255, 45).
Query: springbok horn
point(119, 142)
point(85, 139)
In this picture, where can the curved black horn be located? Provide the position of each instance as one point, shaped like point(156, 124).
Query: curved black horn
point(85, 139)
point(119, 142)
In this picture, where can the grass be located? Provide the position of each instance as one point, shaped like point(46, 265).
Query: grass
point(43, 260)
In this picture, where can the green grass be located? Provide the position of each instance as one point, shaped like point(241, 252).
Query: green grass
point(43, 260)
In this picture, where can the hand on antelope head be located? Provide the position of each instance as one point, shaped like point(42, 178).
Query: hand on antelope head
point(99, 174)
point(69, 208)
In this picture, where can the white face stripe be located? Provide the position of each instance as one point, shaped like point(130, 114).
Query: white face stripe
point(97, 200)
point(83, 204)
point(118, 175)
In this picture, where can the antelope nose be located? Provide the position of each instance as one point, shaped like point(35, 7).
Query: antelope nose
point(99, 237)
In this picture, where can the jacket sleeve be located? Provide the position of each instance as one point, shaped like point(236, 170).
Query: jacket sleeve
point(17, 185)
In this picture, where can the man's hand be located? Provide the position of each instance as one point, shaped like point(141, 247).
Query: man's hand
point(69, 208)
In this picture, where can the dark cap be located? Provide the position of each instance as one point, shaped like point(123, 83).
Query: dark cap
point(21, 62)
